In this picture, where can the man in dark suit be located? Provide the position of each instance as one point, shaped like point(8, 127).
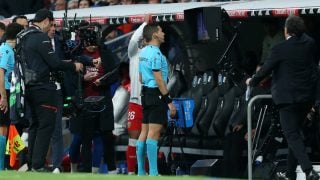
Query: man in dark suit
point(293, 65)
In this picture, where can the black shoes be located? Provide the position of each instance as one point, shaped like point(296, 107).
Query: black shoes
point(313, 175)
point(284, 176)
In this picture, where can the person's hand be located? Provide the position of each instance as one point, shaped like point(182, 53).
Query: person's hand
point(173, 110)
point(4, 104)
point(97, 82)
point(96, 62)
point(248, 81)
point(253, 134)
point(79, 67)
point(237, 127)
point(89, 76)
point(147, 18)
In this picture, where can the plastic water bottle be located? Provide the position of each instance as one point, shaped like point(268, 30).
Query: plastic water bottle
point(259, 160)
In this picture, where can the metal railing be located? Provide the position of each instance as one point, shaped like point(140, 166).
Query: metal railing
point(249, 122)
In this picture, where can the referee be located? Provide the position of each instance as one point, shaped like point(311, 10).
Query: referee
point(153, 74)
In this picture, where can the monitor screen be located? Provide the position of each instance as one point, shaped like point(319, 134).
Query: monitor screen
point(201, 28)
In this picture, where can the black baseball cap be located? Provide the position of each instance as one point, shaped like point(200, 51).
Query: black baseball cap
point(42, 14)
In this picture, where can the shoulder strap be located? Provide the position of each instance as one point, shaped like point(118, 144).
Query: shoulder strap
point(24, 33)
point(20, 45)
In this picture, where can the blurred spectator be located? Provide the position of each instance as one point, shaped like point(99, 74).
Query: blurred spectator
point(73, 4)
point(85, 4)
point(60, 5)
point(153, 1)
point(2, 29)
point(274, 35)
point(110, 33)
point(49, 4)
point(18, 7)
point(22, 20)
point(99, 3)
point(113, 2)
point(168, 1)
point(127, 2)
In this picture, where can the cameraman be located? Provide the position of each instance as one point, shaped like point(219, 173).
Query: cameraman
point(93, 122)
point(41, 63)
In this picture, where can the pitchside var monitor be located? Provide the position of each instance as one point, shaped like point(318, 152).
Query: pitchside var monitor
point(204, 24)
point(205, 29)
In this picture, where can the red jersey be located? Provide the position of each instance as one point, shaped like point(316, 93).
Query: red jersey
point(90, 89)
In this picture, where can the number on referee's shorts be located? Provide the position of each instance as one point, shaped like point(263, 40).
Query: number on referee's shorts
point(131, 115)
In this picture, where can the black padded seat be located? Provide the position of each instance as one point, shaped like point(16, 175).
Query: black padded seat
point(193, 141)
point(212, 102)
point(239, 113)
point(177, 84)
point(208, 97)
point(195, 92)
point(213, 142)
point(208, 109)
point(175, 140)
point(209, 81)
point(222, 114)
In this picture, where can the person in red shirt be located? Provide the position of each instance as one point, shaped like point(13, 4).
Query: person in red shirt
point(102, 122)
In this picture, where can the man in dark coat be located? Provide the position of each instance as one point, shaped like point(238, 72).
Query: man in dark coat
point(293, 65)
point(41, 64)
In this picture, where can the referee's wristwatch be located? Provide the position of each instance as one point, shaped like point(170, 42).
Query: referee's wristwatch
point(167, 99)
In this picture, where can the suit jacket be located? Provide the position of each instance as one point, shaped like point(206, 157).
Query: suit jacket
point(293, 65)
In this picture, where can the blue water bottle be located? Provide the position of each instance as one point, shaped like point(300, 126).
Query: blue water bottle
point(103, 169)
point(178, 171)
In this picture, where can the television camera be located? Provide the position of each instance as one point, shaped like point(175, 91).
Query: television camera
point(75, 35)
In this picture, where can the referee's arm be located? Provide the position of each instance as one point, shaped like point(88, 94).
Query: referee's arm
point(164, 92)
point(161, 85)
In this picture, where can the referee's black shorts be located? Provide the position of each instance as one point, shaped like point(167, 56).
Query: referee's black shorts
point(154, 108)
